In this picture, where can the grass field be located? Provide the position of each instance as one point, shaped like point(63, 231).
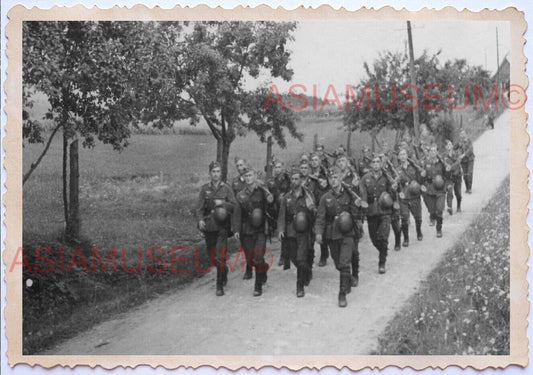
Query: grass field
point(141, 197)
point(463, 306)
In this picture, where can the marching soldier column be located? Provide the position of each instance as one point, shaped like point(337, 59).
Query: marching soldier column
point(327, 203)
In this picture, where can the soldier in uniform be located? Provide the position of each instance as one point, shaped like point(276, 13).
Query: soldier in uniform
point(319, 149)
point(215, 205)
point(388, 162)
point(237, 184)
point(296, 214)
point(337, 212)
point(322, 188)
point(346, 172)
point(310, 184)
point(433, 187)
point(363, 164)
point(377, 190)
point(466, 149)
point(452, 176)
point(410, 180)
point(249, 226)
point(278, 185)
point(316, 167)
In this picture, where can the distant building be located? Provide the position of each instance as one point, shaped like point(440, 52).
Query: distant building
point(502, 77)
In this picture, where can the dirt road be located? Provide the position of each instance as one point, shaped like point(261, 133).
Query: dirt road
point(195, 321)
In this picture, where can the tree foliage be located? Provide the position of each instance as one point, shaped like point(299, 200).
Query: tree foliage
point(391, 98)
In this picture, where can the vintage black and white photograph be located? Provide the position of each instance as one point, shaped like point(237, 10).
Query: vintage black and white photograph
point(277, 187)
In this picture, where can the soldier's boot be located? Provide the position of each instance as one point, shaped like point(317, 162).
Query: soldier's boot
point(222, 277)
point(342, 300)
point(405, 231)
point(260, 278)
point(220, 290)
point(300, 282)
point(249, 273)
point(458, 205)
point(345, 286)
point(397, 239)
point(382, 260)
point(419, 235)
point(355, 272)
point(281, 261)
point(439, 227)
point(355, 280)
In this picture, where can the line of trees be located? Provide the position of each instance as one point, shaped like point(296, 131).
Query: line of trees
point(389, 74)
point(102, 78)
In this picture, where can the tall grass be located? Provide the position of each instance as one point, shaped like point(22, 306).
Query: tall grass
point(463, 307)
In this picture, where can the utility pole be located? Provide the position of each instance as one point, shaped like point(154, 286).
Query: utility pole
point(412, 73)
point(497, 59)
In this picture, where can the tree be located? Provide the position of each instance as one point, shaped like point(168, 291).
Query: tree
point(390, 105)
point(217, 58)
point(100, 78)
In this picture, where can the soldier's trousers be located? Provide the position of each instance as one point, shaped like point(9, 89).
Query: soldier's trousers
point(254, 246)
point(468, 173)
point(413, 206)
point(379, 230)
point(324, 252)
point(395, 225)
point(345, 254)
point(435, 205)
point(454, 186)
point(216, 247)
point(298, 249)
point(285, 254)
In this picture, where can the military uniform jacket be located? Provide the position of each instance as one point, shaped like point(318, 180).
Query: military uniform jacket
point(206, 203)
point(247, 201)
point(465, 147)
point(330, 206)
point(407, 173)
point(433, 168)
point(292, 203)
point(279, 185)
point(454, 161)
point(348, 176)
point(371, 188)
point(237, 184)
point(363, 166)
point(310, 184)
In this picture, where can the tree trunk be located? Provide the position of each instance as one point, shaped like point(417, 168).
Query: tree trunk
point(74, 209)
point(349, 142)
point(223, 147)
point(65, 183)
point(269, 158)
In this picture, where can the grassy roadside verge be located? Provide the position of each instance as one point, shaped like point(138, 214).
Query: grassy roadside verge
point(463, 306)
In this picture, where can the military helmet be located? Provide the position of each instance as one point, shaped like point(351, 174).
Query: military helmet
point(414, 187)
point(438, 182)
point(257, 218)
point(301, 224)
point(344, 222)
point(220, 214)
point(385, 201)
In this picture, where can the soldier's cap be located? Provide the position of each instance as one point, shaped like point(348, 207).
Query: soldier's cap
point(213, 165)
point(304, 162)
point(334, 170)
point(322, 174)
point(319, 145)
point(238, 158)
point(247, 168)
point(313, 154)
point(342, 155)
point(294, 170)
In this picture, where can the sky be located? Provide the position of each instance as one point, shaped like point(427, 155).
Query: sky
point(326, 52)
